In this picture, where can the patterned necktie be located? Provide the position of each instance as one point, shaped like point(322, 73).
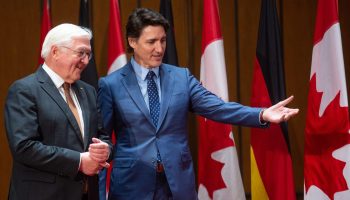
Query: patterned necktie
point(153, 97)
point(70, 102)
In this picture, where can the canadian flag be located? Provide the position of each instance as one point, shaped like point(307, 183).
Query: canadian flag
point(45, 26)
point(116, 59)
point(327, 141)
point(218, 170)
point(116, 53)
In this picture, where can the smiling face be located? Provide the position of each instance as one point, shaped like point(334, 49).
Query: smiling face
point(68, 60)
point(149, 48)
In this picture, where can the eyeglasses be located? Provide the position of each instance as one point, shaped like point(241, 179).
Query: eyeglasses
point(81, 53)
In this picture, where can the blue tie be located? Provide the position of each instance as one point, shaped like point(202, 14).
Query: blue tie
point(153, 98)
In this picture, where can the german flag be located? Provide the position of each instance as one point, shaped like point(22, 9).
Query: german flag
point(170, 56)
point(271, 165)
point(89, 75)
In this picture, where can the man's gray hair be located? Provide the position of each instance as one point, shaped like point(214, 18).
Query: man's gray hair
point(63, 34)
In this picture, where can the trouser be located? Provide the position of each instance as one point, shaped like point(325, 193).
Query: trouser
point(162, 191)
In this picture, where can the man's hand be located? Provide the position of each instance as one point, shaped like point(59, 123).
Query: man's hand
point(278, 112)
point(99, 152)
point(89, 166)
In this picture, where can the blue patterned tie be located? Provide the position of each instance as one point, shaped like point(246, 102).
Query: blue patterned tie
point(153, 98)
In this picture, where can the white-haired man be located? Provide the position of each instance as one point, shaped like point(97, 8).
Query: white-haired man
point(53, 124)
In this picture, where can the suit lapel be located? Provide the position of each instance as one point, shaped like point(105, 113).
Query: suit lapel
point(132, 86)
point(82, 98)
point(167, 85)
point(50, 88)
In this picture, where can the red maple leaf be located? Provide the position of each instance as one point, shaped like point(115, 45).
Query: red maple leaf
point(213, 136)
point(324, 135)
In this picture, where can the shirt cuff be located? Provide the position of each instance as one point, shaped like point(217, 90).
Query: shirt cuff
point(262, 122)
point(79, 162)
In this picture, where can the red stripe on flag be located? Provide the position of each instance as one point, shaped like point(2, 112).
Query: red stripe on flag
point(211, 30)
point(115, 40)
point(45, 26)
point(327, 15)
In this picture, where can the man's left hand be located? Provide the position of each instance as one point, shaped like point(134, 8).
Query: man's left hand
point(278, 112)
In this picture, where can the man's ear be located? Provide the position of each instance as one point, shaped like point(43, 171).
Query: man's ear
point(54, 51)
point(132, 42)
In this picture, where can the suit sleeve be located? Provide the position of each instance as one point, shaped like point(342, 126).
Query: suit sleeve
point(102, 132)
point(23, 132)
point(210, 106)
point(105, 102)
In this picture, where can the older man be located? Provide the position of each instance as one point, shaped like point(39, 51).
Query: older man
point(53, 124)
